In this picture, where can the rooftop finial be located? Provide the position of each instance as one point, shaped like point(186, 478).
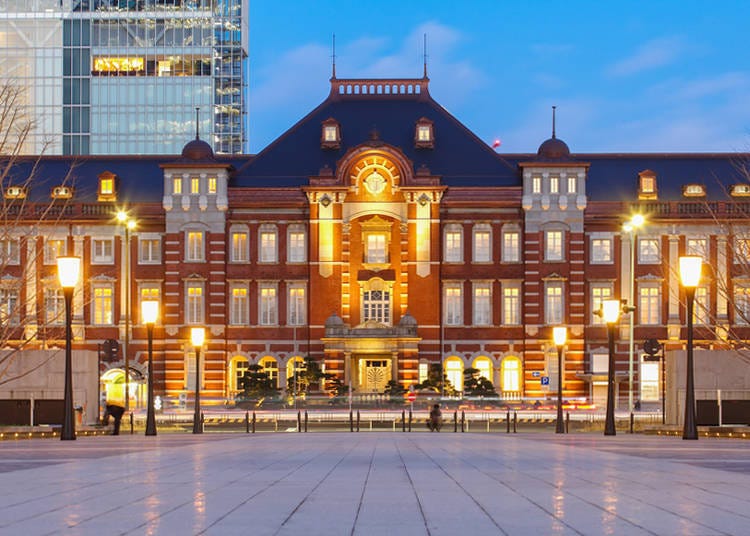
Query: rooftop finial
point(425, 55)
point(333, 57)
point(553, 121)
point(197, 134)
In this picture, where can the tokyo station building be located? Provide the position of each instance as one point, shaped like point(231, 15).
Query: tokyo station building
point(378, 235)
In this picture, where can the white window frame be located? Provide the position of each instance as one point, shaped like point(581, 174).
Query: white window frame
point(268, 244)
point(572, 184)
point(10, 308)
point(296, 249)
point(741, 302)
point(697, 245)
point(374, 308)
point(602, 249)
point(239, 252)
point(296, 304)
point(54, 306)
point(195, 245)
point(554, 184)
point(376, 248)
point(53, 248)
point(649, 250)
point(239, 304)
point(268, 304)
point(511, 250)
point(554, 303)
point(98, 257)
point(453, 243)
point(10, 252)
point(554, 245)
point(599, 363)
point(195, 303)
point(482, 304)
point(702, 305)
point(650, 380)
point(649, 304)
point(102, 306)
point(149, 249)
point(482, 244)
point(511, 305)
point(536, 184)
point(599, 292)
point(454, 304)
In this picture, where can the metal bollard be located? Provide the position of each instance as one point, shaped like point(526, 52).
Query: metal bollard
point(515, 421)
point(351, 421)
point(247, 422)
point(131, 423)
point(403, 420)
point(253, 422)
point(463, 420)
point(305, 421)
point(632, 417)
point(507, 422)
point(455, 422)
point(567, 423)
point(203, 422)
point(357, 421)
point(299, 421)
point(409, 419)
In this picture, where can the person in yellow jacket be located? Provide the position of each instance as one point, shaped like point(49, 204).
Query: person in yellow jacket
point(116, 408)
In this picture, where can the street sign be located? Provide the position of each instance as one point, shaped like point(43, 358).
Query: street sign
point(545, 380)
point(411, 397)
point(536, 374)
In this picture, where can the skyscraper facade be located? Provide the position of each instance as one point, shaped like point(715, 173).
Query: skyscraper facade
point(126, 76)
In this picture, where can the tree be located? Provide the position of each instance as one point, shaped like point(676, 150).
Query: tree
point(256, 384)
point(437, 381)
point(477, 385)
point(395, 392)
point(22, 220)
point(305, 377)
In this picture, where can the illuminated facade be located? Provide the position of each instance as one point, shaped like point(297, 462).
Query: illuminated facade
point(125, 77)
point(378, 236)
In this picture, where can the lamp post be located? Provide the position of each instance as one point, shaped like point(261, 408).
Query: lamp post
point(68, 271)
point(129, 224)
point(690, 275)
point(559, 334)
point(631, 226)
point(197, 336)
point(149, 314)
point(611, 312)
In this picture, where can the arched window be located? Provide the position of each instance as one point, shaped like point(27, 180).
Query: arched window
point(237, 368)
point(511, 374)
point(271, 367)
point(295, 363)
point(484, 366)
point(454, 370)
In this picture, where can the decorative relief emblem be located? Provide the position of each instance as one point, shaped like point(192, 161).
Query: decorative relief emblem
point(375, 183)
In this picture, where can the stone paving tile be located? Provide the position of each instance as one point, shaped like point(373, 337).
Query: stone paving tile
point(374, 484)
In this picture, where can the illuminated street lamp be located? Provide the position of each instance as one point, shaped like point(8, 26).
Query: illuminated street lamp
point(129, 224)
point(559, 334)
point(611, 313)
point(149, 314)
point(68, 272)
point(197, 336)
point(631, 226)
point(690, 274)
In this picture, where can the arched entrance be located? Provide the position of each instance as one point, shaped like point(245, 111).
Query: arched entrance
point(112, 388)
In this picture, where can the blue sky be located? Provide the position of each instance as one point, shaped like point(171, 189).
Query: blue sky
point(657, 76)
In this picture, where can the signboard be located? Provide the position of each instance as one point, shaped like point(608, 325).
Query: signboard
point(545, 380)
point(536, 374)
point(411, 397)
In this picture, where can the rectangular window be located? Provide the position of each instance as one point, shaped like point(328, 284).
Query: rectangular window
point(239, 306)
point(598, 295)
point(102, 251)
point(194, 246)
point(572, 185)
point(553, 245)
point(482, 305)
point(701, 306)
point(649, 299)
point(330, 133)
point(296, 306)
point(52, 249)
point(194, 309)
point(212, 185)
point(741, 304)
point(536, 184)
point(599, 363)
point(149, 292)
point(268, 306)
point(177, 185)
point(554, 184)
point(424, 370)
point(553, 303)
point(376, 252)
point(511, 246)
point(453, 305)
point(149, 250)
point(697, 247)
point(648, 251)
point(423, 132)
point(376, 305)
point(296, 247)
point(650, 381)
point(54, 307)
point(10, 314)
point(741, 250)
point(268, 246)
point(240, 247)
point(482, 248)
point(103, 306)
point(601, 250)
point(10, 253)
point(195, 185)
point(511, 306)
point(453, 246)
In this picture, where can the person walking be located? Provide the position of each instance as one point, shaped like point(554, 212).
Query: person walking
point(436, 419)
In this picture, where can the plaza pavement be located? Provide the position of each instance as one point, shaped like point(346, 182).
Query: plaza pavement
point(375, 483)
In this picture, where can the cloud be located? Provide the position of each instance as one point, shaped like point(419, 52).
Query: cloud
point(651, 55)
point(722, 84)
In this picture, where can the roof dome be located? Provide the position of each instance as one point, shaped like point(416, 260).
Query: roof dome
point(334, 321)
point(197, 149)
point(553, 149)
point(407, 320)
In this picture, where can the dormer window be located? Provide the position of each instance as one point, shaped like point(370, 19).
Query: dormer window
point(647, 185)
point(15, 192)
point(330, 135)
point(107, 187)
point(62, 192)
point(740, 190)
point(694, 190)
point(424, 136)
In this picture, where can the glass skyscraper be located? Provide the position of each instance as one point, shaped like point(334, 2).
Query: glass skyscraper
point(126, 76)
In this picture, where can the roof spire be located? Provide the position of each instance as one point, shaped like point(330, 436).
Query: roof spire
point(553, 121)
point(197, 135)
point(425, 55)
point(333, 57)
